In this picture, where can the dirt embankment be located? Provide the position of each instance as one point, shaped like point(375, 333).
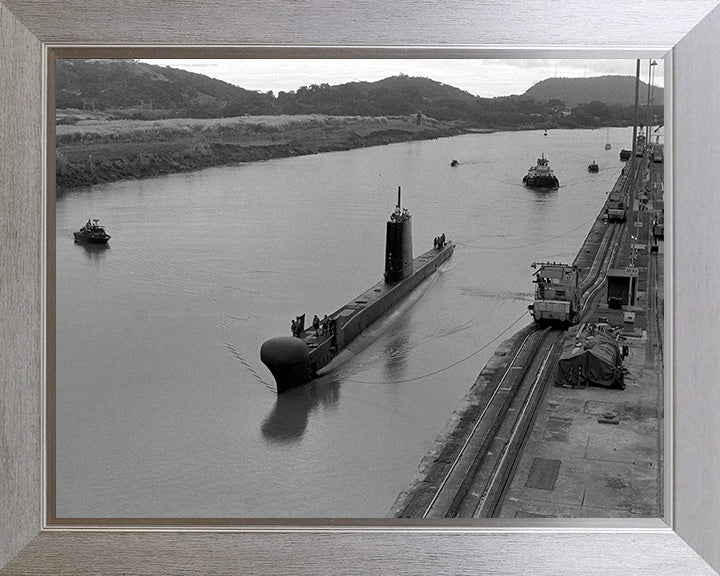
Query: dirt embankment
point(105, 151)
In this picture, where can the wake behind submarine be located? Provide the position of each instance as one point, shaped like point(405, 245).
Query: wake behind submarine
point(295, 360)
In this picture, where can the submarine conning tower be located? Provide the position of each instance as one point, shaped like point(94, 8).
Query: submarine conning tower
point(398, 244)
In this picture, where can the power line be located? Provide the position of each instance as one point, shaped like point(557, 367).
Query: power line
point(533, 243)
point(446, 367)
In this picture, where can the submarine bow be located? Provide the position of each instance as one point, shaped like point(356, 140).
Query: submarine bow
point(288, 359)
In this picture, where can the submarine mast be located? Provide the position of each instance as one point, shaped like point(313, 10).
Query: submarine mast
point(398, 244)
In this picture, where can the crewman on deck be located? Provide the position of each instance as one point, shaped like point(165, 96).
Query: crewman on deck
point(316, 324)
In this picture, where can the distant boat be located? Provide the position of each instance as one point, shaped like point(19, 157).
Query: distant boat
point(593, 167)
point(541, 176)
point(625, 154)
point(545, 132)
point(92, 233)
point(608, 146)
point(454, 163)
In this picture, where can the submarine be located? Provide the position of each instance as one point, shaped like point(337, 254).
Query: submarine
point(295, 360)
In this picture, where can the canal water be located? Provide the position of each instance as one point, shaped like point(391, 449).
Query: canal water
point(163, 406)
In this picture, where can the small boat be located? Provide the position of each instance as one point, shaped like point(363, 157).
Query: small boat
point(593, 167)
point(454, 163)
point(545, 134)
point(92, 232)
point(625, 154)
point(541, 176)
point(608, 146)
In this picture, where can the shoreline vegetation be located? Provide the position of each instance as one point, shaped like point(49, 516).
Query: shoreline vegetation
point(93, 149)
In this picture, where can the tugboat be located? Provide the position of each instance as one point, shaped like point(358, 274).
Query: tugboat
point(295, 360)
point(92, 233)
point(593, 167)
point(541, 176)
point(454, 163)
point(625, 154)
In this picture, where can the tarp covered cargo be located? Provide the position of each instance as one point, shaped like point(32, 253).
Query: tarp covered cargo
point(592, 358)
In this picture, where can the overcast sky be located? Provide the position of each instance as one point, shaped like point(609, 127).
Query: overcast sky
point(500, 77)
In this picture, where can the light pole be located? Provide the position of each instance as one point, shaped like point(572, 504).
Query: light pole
point(635, 121)
point(652, 92)
point(649, 118)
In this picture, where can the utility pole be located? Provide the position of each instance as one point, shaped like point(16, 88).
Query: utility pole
point(648, 120)
point(635, 123)
point(652, 98)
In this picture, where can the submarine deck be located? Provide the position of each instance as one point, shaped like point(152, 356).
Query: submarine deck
point(373, 294)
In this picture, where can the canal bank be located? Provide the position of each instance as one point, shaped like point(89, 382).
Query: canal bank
point(592, 451)
point(107, 151)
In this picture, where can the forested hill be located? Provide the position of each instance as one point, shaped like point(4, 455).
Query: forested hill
point(127, 84)
point(130, 89)
point(122, 84)
point(610, 90)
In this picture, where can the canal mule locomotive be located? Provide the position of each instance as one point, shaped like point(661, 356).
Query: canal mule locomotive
point(556, 294)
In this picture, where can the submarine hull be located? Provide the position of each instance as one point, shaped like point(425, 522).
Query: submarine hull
point(294, 361)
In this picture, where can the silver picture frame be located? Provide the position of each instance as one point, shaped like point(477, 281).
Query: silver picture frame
point(684, 34)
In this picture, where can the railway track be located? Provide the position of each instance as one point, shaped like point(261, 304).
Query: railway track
point(481, 468)
point(606, 256)
point(596, 277)
point(479, 473)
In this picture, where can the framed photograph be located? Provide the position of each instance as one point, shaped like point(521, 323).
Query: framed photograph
point(292, 210)
point(52, 528)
